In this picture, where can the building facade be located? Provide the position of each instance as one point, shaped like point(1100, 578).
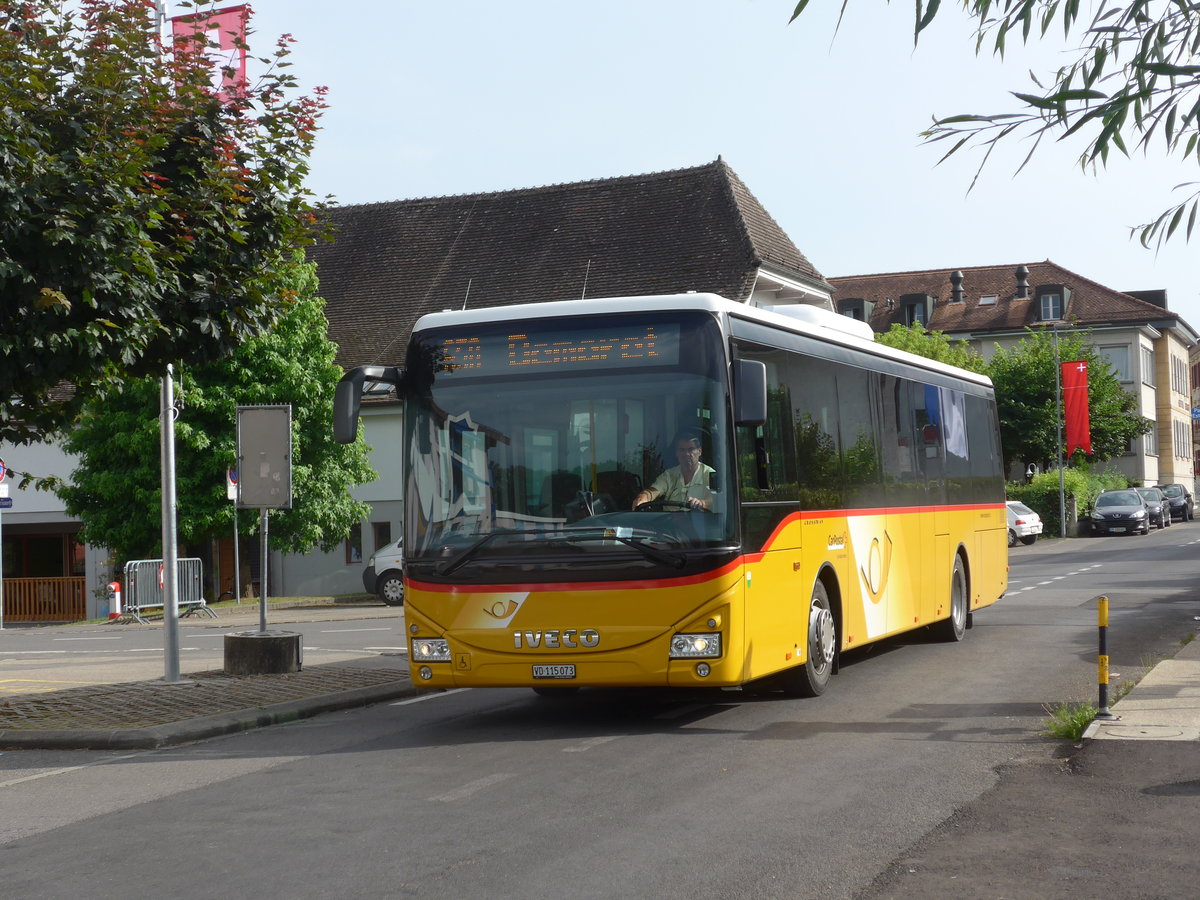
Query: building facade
point(1147, 346)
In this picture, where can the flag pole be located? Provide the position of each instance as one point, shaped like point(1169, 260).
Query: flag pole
point(1058, 427)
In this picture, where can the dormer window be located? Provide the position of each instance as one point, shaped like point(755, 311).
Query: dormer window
point(856, 308)
point(917, 308)
point(1051, 302)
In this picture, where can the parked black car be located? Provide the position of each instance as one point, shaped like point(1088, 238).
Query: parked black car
point(1120, 512)
point(1157, 506)
point(1180, 499)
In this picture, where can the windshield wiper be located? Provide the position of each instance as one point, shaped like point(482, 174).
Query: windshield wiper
point(468, 552)
point(651, 553)
point(677, 560)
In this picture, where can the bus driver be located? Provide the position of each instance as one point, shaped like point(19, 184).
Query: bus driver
point(688, 483)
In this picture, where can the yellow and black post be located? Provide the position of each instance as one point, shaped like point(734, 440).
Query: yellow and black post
point(1102, 660)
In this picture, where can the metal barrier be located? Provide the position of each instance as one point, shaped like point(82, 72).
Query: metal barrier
point(144, 589)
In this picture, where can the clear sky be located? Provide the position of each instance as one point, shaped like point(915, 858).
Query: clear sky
point(435, 98)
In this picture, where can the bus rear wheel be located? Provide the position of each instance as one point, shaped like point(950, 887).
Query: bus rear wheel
point(811, 678)
point(953, 628)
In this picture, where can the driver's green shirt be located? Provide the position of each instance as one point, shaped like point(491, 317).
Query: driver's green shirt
point(671, 486)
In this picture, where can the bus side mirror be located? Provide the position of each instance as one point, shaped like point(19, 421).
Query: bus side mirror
point(749, 392)
point(347, 398)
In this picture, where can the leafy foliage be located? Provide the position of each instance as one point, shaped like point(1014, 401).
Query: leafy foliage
point(140, 216)
point(1042, 496)
point(1134, 81)
point(1024, 377)
point(115, 490)
point(933, 345)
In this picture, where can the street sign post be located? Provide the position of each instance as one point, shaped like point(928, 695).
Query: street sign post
point(264, 446)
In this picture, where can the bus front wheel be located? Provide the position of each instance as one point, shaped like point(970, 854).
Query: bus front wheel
point(811, 678)
point(953, 628)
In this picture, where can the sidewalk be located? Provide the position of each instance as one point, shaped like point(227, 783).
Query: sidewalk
point(147, 714)
point(1163, 706)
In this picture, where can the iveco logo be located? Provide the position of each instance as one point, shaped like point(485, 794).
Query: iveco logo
point(555, 638)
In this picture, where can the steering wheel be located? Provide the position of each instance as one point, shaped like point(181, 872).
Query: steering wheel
point(658, 505)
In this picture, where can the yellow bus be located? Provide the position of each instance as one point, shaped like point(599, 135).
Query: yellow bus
point(682, 491)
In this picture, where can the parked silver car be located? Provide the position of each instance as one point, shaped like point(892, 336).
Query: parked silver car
point(1024, 524)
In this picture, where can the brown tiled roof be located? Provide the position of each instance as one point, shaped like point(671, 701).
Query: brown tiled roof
point(1090, 304)
point(696, 229)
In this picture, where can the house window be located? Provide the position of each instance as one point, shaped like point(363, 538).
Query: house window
point(1118, 361)
point(914, 314)
point(988, 300)
point(856, 308)
point(1179, 375)
point(382, 532)
point(1183, 440)
point(1151, 442)
point(1051, 306)
point(1148, 366)
point(354, 544)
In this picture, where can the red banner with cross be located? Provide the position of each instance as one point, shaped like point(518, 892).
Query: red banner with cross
point(1075, 405)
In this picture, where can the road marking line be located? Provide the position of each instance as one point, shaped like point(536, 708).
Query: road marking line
point(347, 630)
point(115, 637)
point(66, 770)
point(584, 746)
point(428, 697)
point(473, 787)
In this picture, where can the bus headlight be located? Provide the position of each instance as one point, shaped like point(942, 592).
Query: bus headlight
point(696, 646)
point(430, 650)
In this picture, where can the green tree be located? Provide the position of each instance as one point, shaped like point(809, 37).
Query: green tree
point(116, 492)
point(1027, 402)
point(140, 216)
point(932, 345)
point(1133, 81)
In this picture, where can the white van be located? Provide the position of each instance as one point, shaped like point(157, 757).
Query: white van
point(384, 574)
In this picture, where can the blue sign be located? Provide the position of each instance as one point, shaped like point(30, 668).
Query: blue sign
point(5, 502)
point(1195, 413)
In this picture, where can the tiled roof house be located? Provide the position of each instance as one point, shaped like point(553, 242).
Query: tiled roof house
point(992, 306)
point(695, 229)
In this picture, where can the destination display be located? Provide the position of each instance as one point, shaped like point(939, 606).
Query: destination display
point(554, 350)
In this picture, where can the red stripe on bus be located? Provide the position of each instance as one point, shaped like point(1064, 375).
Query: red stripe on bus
point(575, 585)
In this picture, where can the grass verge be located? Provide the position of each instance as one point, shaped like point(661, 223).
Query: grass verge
point(1068, 720)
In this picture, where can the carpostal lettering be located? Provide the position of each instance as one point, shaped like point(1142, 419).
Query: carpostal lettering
point(556, 639)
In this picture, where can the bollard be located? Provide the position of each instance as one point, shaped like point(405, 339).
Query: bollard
point(114, 600)
point(1102, 660)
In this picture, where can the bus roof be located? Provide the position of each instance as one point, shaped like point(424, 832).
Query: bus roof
point(797, 318)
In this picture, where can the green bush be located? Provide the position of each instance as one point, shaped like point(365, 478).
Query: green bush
point(1041, 494)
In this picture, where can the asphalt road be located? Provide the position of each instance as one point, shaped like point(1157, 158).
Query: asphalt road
point(612, 793)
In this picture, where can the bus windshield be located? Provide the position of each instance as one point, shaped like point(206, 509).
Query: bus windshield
point(529, 443)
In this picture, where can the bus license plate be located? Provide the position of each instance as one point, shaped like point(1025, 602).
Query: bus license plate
point(553, 671)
